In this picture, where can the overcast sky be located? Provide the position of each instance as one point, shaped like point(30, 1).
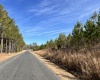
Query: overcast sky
point(42, 20)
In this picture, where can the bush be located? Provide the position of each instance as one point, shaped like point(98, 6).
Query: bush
point(84, 66)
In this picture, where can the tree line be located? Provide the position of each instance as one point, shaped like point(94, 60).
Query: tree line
point(11, 39)
point(85, 36)
point(79, 51)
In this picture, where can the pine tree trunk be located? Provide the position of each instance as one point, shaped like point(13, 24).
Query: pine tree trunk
point(9, 45)
point(6, 46)
point(15, 50)
point(12, 46)
point(1, 42)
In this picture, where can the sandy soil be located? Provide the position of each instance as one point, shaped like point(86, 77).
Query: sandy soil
point(4, 56)
point(62, 74)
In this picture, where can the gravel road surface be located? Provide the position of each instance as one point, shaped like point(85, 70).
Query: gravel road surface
point(25, 66)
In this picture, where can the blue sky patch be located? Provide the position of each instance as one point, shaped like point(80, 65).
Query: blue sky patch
point(42, 20)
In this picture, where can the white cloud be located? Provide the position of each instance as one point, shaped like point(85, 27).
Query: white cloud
point(55, 32)
point(32, 33)
point(45, 3)
point(28, 18)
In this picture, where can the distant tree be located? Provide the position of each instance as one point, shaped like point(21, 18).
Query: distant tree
point(61, 41)
point(69, 41)
point(82, 37)
point(77, 34)
point(90, 30)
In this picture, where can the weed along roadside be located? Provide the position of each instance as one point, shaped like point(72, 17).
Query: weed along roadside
point(5, 56)
point(60, 72)
point(79, 65)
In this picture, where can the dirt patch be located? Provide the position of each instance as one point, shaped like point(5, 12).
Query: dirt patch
point(40, 52)
point(4, 56)
point(62, 74)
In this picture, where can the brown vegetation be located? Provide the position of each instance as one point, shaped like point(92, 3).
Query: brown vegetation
point(61, 73)
point(84, 66)
point(4, 56)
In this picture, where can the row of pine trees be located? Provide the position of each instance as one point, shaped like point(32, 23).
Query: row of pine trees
point(11, 39)
point(85, 36)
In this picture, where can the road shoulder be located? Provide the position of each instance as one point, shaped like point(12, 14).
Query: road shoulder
point(5, 56)
point(62, 74)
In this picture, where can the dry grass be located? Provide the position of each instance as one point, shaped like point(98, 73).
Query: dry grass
point(84, 66)
point(41, 52)
point(4, 56)
point(62, 74)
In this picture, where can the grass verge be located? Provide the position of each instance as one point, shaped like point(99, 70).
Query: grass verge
point(83, 66)
point(4, 56)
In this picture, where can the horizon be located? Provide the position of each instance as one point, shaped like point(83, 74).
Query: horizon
point(42, 20)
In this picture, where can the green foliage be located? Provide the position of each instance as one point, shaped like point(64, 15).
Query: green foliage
point(51, 44)
point(61, 41)
point(81, 37)
point(10, 29)
point(35, 46)
point(77, 34)
point(42, 46)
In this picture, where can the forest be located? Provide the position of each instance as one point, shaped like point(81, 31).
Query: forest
point(11, 39)
point(78, 52)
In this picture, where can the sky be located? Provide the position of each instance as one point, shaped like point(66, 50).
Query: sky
point(42, 20)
